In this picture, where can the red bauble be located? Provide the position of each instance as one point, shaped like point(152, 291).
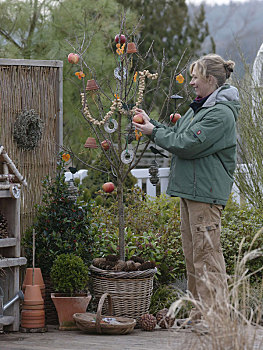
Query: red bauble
point(174, 117)
point(73, 58)
point(138, 118)
point(108, 187)
point(120, 39)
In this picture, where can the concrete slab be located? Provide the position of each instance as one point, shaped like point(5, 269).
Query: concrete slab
point(159, 339)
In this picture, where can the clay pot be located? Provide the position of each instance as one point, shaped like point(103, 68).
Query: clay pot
point(33, 295)
point(92, 85)
point(33, 307)
point(67, 306)
point(38, 279)
point(33, 314)
point(33, 323)
point(131, 48)
point(91, 143)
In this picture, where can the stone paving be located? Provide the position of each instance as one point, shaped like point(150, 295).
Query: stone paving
point(159, 339)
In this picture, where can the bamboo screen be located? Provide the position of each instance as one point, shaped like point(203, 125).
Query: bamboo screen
point(25, 85)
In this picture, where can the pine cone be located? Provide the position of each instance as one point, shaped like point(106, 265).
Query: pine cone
point(148, 322)
point(137, 259)
point(130, 266)
point(120, 266)
point(164, 321)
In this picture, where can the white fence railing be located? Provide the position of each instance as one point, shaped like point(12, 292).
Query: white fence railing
point(143, 177)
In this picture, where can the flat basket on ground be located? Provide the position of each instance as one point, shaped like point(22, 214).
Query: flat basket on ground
point(131, 292)
point(101, 324)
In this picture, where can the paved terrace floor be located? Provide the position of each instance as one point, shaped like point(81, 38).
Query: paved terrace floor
point(159, 339)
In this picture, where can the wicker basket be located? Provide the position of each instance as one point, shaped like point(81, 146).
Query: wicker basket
point(130, 291)
point(92, 323)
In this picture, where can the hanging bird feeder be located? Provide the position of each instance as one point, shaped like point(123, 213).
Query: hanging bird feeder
point(91, 143)
point(153, 170)
point(92, 85)
point(131, 48)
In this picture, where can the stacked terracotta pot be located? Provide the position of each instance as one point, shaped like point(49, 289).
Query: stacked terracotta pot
point(33, 312)
point(38, 279)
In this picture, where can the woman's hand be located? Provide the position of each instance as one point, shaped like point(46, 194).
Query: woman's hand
point(146, 127)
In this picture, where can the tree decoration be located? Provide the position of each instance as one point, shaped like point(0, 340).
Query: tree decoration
point(108, 124)
point(80, 75)
point(91, 143)
point(153, 170)
point(28, 129)
point(66, 157)
point(127, 156)
point(92, 85)
point(131, 48)
point(179, 78)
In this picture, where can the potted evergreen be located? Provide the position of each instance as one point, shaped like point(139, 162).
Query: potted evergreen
point(69, 276)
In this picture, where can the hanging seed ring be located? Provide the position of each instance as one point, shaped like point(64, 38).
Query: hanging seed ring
point(107, 125)
point(127, 156)
point(28, 129)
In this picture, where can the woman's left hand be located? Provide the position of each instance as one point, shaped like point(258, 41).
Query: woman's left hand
point(146, 128)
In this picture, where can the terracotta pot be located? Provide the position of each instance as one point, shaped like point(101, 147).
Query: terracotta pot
point(33, 307)
point(33, 324)
point(91, 143)
point(33, 295)
point(32, 313)
point(92, 85)
point(66, 306)
point(131, 48)
point(38, 279)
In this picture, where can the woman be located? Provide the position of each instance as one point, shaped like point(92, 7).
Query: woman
point(203, 147)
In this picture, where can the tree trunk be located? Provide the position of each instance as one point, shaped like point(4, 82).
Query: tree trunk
point(121, 219)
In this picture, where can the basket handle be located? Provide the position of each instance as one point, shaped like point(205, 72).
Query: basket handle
point(101, 302)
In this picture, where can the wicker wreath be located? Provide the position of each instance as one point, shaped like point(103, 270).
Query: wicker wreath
point(28, 129)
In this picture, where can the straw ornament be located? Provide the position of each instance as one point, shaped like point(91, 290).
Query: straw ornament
point(117, 103)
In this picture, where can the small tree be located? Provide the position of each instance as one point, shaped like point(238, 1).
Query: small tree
point(108, 107)
point(62, 225)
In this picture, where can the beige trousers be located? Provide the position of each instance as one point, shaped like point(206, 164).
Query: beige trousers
point(200, 229)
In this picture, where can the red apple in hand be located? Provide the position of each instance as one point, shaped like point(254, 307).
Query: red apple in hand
point(174, 117)
point(73, 58)
point(108, 187)
point(138, 118)
point(106, 144)
point(120, 39)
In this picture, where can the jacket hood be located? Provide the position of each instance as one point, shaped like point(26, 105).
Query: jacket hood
point(227, 95)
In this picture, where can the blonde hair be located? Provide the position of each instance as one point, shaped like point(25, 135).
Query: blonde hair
point(214, 65)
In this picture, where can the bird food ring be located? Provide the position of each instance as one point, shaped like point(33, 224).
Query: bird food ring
point(107, 126)
point(127, 156)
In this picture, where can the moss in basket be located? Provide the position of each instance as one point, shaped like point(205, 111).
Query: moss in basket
point(69, 274)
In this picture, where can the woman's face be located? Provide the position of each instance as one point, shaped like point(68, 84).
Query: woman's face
point(201, 86)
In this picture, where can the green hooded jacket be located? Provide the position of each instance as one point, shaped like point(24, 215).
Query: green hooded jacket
point(203, 147)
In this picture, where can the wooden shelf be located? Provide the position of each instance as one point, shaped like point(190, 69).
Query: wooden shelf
point(7, 242)
point(11, 262)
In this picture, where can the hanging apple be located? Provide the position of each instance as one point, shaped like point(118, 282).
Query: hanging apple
point(73, 58)
point(108, 187)
point(174, 117)
point(138, 118)
point(120, 39)
point(105, 144)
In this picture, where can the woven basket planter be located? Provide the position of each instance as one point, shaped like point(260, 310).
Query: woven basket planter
point(130, 291)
